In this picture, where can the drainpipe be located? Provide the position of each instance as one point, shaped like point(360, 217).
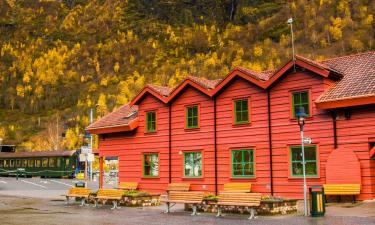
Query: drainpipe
point(334, 124)
point(170, 142)
point(215, 146)
point(270, 138)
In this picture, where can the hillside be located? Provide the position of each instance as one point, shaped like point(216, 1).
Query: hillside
point(59, 58)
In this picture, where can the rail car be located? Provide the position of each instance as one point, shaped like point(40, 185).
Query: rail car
point(54, 164)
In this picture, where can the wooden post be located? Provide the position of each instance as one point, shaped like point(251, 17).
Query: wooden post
point(101, 172)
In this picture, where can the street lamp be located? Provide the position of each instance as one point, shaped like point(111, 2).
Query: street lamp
point(301, 115)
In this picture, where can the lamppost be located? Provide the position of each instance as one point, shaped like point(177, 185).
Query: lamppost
point(301, 122)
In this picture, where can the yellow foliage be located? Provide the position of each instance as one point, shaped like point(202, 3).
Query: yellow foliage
point(116, 67)
point(257, 51)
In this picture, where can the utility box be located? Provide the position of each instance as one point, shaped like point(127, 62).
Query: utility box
point(317, 201)
point(80, 184)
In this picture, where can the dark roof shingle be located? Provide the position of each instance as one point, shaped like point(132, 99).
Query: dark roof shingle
point(358, 77)
point(120, 117)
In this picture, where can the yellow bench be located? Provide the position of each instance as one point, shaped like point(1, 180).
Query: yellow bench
point(251, 200)
point(80, 193)
point(237, 187)
point(128, 185)
point(342, 189)
point(105, 195)
point(178, 187)
point(185, 197)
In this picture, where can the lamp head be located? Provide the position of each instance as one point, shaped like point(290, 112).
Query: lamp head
point(290, 21)
point(301, 115)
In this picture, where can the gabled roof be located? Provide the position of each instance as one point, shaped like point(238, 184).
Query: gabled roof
point(354, 76)
point(357, 87)
point(35, 154)
point(124, 118)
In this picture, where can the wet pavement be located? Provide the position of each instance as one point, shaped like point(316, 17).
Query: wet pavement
point(32, 204)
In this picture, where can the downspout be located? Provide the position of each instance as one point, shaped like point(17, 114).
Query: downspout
point(215, 146)
point(334, 125)
point(270, 137)
point(170, 143)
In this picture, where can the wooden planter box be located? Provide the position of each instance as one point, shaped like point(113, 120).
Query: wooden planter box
point(267, 207)
point(140, 201)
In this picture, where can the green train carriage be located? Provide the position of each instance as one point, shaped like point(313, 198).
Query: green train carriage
point(54, 164)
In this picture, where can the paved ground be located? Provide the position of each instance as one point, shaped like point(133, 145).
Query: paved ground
point(42, 203)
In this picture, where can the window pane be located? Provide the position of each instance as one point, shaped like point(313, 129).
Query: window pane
point(18, 162)
point(296, 154)
point(237, 169)
point(67, 162)
point(311, 168)
point(237, 156)
point(246, 156)
point(193, 164)
point(310, 153)
point(11, 163)
point(30, 163)
point(1, 163)
point(151, 165)
point(296, 98)
point(297, 168)
point(304, 97)
point(307, 109)
point(24, 163)
point(58, 162)
point(51, 162)
point(245, 116)
point(45, 162)
point(37, 163)
point(248, 170)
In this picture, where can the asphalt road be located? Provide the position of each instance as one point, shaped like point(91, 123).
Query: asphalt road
point(40, 188)
point(40, 201)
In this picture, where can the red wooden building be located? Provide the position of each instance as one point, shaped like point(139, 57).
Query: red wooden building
point(243, 129)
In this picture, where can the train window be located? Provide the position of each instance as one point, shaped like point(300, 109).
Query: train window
point(30, 163)
point(11, 163)
point(38, 163)
point(1, 163)
point(24, 163)
point(67, 162)
point(45, 162)
point(58, 162)
point(52, 162)
point(18, 163)
point(6, 163)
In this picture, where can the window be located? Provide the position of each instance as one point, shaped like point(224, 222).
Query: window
point(243, 163)
point(58, 162)
point(30, 163)
point(1, 163)
point(18, 163)
point(51, 162)
point(11, 163)
point(45, 162)
point(192, 164)
point(300, 99)
point(38, 163)
point(192, 116)
point(241, 111)
point(150, 121)
point(150, 165)
point(67, 162)
point(24, 163)
point(296, 161)
point(6, 163)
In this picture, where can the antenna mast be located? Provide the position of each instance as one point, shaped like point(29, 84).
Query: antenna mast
point(290, 22)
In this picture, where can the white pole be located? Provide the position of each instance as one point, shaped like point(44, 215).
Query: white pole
point(91, 140)
point(304, 173)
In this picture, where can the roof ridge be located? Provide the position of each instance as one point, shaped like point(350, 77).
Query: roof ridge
point(347, 56)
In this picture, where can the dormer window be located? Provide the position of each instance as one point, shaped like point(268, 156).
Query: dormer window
point(151, 121)
point(300, 99)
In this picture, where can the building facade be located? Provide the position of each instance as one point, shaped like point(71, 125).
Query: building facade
point(243, 128)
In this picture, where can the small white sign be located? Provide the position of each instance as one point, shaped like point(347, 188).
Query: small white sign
point(90, 157)
point(307, 140)
point(82, 157)
point(86, 149)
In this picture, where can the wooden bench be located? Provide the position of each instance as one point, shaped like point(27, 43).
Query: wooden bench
point(237, 187)
point(128, 186)
point(184, 197)
point(178, 187)
point(105, 195)
point(250, 200)
point(80, 193)
point(342, 189)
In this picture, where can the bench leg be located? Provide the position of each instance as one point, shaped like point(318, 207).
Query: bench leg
point(67, 200)
point(83, 202)
point(168, 208)
point(252, 214)
point(218, 211)
point(194, 206)
point(115, 205)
